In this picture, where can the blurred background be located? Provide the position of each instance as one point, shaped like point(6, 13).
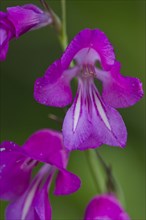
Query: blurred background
point(30, 55)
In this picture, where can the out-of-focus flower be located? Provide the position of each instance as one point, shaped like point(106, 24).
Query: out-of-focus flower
point(29, 196)
point(92, 119)
point(105, 207)
point(17, 21)
point(7, 32)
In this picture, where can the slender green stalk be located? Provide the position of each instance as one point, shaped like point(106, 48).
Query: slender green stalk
point(63, 34)
point(94, 168)
point(112, 184)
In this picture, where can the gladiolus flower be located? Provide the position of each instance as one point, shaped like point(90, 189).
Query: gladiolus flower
point(105, 207)
point(29, 196)
point(19, 20)
point(92, 119)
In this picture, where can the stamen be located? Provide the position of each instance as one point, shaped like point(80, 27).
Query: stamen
point(88, 71)
point(28, 163)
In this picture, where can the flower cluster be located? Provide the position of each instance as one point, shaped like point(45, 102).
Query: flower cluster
point(27, 172)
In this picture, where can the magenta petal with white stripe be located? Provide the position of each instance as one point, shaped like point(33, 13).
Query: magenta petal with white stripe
point(42, 205)
point(90, 123)
point(105, 207)
point(91, 120)
point(27, 206)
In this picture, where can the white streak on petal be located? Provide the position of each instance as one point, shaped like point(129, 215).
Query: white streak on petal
point(101, 111)
point(2, 149)
point(77, 111)
point(30, 198)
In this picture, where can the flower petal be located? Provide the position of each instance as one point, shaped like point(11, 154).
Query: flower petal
point(121, 91)
point(46, 146)
point(90, 123)
point(42, 205)
point(108, 125)
point(54, 88)
point(27, 17)
point(26, 206)
point(88, 39)
point(105, 207)
point(77, 127)
point(15, 173)
point(66, 183)
point(3, 48)
point(6, 34)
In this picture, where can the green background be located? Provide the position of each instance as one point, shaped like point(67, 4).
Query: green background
point(29, 56)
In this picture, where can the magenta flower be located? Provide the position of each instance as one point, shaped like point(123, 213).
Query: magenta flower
point(29, 197)
point(18, 20)
point(92, 119)
point(105, 207)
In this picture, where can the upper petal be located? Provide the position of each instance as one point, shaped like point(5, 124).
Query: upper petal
point(94, 40)
point(66, 183)
point(46, 146)
point(27, 17)
point(105, 207)
point(54, 88)
point(15, 171)
point(120, 91)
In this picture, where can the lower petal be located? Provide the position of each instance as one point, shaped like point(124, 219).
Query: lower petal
point(108, 125)
point(29, 206)
point(42, 205)
point(89, 123)
point(66, 183)
point(77, 130)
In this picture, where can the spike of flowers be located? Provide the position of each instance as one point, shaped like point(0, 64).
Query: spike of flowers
point(105, 207)
point(19, 20)
point(92, 119)
point(29, 196)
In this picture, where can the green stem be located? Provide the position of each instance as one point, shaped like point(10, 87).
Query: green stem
point(112, 184)
point(96, 174)
point(63, 34)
